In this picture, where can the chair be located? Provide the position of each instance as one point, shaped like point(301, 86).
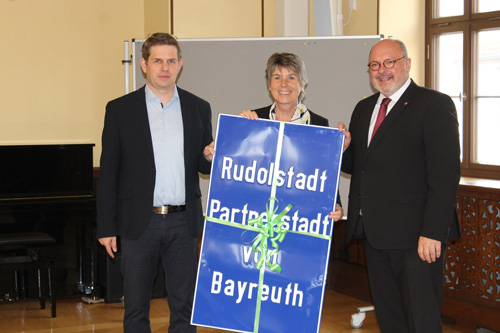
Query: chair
point(20, 253)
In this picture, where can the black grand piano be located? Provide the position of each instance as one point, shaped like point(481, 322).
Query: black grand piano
point(50, 188)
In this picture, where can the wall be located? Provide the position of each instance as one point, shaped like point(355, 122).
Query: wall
point(156, 17)
point(61, 60)
point(405, 20)
point(60, 63)
point(217, 18)
point(363, 20)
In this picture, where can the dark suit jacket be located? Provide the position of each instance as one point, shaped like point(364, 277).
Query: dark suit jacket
point(406, 181)
point(127, 169)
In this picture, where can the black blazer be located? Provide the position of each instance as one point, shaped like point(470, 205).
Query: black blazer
point(127, 169)
point(406, 181)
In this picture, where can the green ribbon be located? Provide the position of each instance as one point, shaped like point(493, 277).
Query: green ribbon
point(273, 231)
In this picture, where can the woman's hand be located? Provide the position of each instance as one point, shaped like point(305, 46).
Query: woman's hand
point(249, 114)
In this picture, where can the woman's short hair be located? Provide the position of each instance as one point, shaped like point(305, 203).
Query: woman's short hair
point(159, 38)
point(286, 60)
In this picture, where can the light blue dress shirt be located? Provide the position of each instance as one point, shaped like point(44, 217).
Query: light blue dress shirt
point(167, 134)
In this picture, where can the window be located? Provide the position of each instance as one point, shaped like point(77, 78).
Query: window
point(463, 61)
point(446, 8)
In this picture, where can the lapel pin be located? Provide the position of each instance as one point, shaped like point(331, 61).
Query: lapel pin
point(406, 103)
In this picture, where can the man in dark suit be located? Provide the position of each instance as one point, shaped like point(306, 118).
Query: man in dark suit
point(155, 141)
point(405, 177)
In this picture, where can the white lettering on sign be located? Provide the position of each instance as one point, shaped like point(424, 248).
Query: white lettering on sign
point(289, 178)
point(293, 221)
point(290, 295)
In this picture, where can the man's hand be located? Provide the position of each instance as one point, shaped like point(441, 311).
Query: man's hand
point(110, 244)
point(209, 151)
point(429, 249)
point(341, 126)
point(337, 214)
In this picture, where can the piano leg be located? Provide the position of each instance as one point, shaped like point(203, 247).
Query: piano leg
point(87, 254)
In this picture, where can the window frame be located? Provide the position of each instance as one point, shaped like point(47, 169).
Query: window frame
point(469, 24)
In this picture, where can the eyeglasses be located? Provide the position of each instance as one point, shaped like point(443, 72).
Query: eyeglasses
point(388, 63)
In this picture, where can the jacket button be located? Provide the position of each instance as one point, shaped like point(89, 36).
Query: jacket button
point(152, 170)
point(150, 194)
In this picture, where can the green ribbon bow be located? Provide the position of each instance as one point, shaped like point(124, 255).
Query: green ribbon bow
point(273, 230)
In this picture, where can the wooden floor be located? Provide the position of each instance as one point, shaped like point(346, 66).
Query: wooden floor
point(74, 315)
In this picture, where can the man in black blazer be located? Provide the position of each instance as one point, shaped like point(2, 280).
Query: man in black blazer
point(405, 177)
point(155, 141)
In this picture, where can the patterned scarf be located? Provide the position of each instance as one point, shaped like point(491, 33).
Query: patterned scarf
point(300, 116)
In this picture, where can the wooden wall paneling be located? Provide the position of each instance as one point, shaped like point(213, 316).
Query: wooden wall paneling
point(472, 273)
point(472, 264)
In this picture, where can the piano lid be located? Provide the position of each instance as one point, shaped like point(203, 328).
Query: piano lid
point(46, 171)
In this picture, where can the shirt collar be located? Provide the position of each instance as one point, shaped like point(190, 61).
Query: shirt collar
point(151, 97)
point(395, 97)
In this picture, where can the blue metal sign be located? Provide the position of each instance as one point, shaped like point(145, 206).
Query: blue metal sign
point(267, 234)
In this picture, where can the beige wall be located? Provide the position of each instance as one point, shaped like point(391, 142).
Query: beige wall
point(60, 62)
point(61, 59)
point(217, 18)
point(156, 17)
point(363, 20)
point(405, 20)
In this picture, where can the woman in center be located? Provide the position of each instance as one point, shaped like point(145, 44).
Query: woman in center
point(286, 79)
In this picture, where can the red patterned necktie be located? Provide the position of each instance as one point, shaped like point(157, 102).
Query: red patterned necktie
point(381, 114)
